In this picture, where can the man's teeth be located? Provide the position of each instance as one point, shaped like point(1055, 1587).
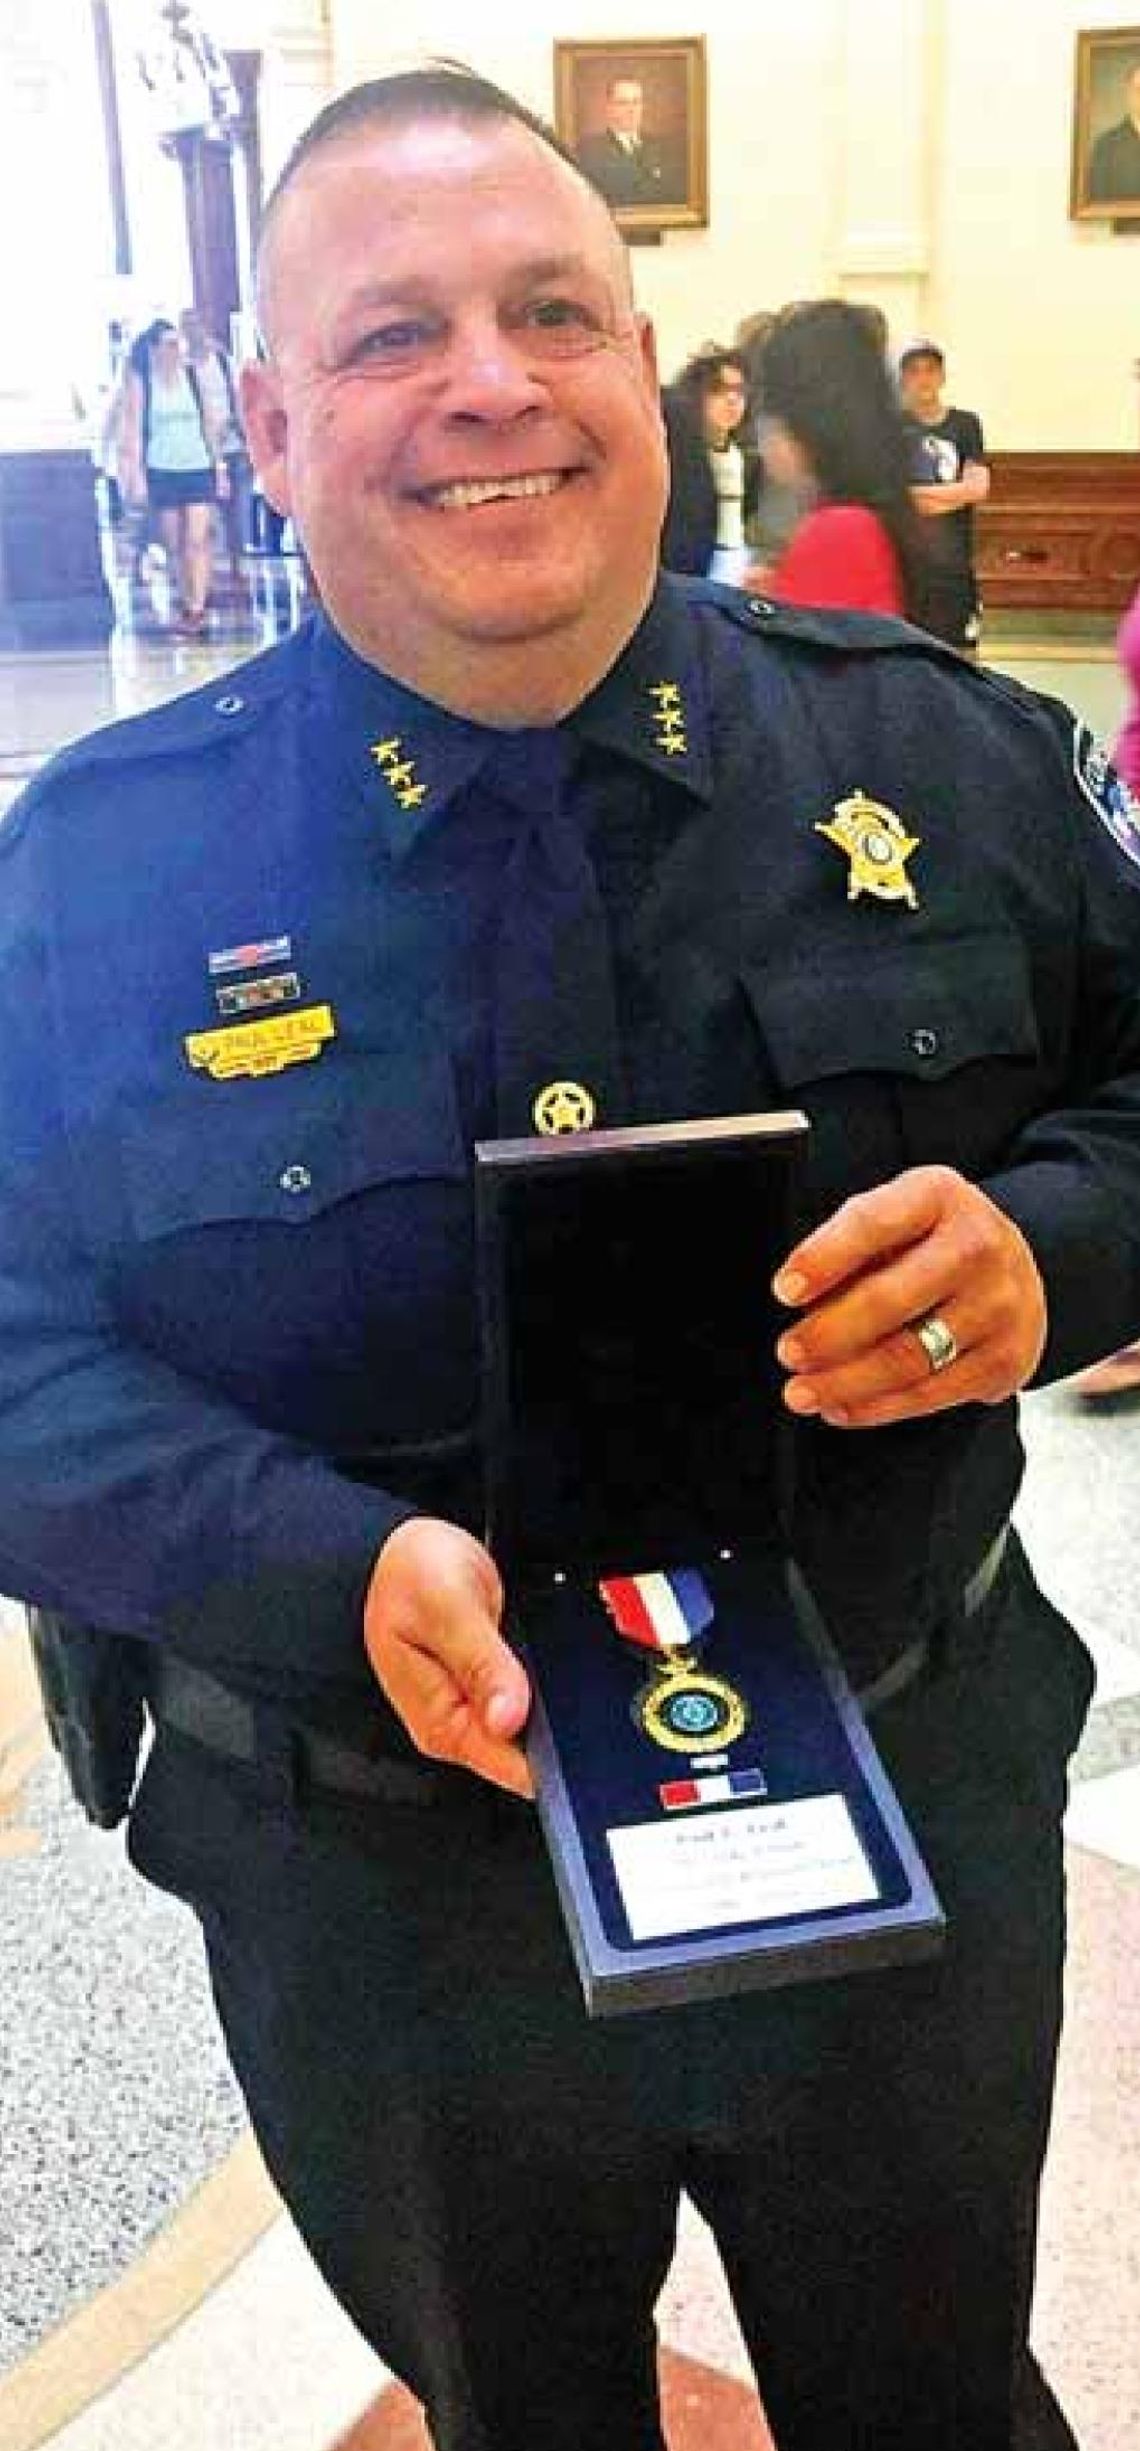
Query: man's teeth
point(471, 491)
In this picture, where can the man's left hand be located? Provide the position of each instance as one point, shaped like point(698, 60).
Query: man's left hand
point(926, 1246)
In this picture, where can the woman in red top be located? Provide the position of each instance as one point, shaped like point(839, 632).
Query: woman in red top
point(831, 428)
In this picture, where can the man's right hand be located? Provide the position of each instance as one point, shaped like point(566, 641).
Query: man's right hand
point(431, 1629)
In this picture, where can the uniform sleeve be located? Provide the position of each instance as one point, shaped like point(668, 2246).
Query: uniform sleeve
point(129, 1496)
point(1072, 1181)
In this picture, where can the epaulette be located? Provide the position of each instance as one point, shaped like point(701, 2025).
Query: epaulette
point(845, 633)
point(229, 704)
point(848, 633)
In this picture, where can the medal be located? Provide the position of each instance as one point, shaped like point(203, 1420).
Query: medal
point(688, 1711)
point(684, 1707)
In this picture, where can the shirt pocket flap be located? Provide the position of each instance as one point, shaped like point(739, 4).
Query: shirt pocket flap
point(288, 1147)
point(923, 1011)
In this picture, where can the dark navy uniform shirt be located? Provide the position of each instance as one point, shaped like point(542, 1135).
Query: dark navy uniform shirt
point(237, 1321)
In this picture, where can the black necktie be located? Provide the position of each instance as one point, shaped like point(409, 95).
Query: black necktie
point(557, 1056)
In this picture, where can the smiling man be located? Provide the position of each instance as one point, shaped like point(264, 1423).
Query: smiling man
point(513, 816)
point(467, 434)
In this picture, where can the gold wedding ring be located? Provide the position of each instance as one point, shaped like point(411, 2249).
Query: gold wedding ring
point(938, 1342)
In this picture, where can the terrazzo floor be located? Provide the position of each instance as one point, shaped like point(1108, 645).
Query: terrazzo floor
point(150, 2293)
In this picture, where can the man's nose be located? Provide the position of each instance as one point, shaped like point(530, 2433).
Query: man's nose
point(490, 374)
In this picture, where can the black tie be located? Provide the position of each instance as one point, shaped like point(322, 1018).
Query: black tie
point(557, 1056)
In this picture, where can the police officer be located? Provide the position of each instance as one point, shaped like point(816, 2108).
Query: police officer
point(511, 812)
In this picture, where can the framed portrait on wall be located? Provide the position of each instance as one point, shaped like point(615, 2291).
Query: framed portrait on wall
point(634, 115)
point(1106, 126)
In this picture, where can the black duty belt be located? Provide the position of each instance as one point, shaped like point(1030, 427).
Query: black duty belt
point(295, 1758)
point(199, 1706)
point(918, 1655)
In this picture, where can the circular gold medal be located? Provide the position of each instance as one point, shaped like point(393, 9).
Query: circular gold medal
point(689, 1711)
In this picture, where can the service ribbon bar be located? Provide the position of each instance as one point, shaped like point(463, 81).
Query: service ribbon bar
point(724, 1787)
point(662, 1612)
point(254, 956)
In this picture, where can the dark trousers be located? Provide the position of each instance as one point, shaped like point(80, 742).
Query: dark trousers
point(948, 606)
point(489, 2180)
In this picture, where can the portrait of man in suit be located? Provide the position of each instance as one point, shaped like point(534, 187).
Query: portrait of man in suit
point(1106, 127)
point(634, 116)
point(625, 159)
point(1114, 163)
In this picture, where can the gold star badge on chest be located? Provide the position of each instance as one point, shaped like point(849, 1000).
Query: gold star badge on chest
point(876, 846)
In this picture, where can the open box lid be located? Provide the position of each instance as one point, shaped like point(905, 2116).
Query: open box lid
point(632, 1412)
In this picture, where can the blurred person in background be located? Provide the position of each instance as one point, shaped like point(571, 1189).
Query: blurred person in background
point(774, 509)
point(831, 431)
point(748, 344)
point(169, 456)
point(949, 478)
point(713, 477)
point(217, 388)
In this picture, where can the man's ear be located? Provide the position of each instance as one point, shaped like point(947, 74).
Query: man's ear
point(266, 429)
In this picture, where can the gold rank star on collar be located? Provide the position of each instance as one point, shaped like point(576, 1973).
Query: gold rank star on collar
point(669, 718)
point(876, 846)
point(399, 772)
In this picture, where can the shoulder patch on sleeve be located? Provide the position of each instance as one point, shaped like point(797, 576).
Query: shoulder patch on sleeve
point(1106, 791)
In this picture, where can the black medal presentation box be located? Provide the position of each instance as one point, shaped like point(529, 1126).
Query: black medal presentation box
point(716, 1813)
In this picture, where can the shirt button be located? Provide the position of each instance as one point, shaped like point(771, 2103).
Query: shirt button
point(231, 704)
point(924, 1042)
point(296, 1179)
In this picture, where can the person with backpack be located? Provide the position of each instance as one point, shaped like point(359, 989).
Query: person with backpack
point(171, 457)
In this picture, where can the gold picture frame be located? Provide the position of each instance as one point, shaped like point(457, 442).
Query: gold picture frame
point(1105, 180)
point(635, 116)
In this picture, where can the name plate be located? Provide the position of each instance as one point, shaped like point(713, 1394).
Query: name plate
point(760, 1865)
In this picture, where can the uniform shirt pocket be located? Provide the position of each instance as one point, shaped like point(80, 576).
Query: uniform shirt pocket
point(302, 1243)
point(925, 1054)
point(287, 1147)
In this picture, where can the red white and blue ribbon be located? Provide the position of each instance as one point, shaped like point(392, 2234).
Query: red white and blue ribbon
point(720, 1787)
point(662, 1612)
